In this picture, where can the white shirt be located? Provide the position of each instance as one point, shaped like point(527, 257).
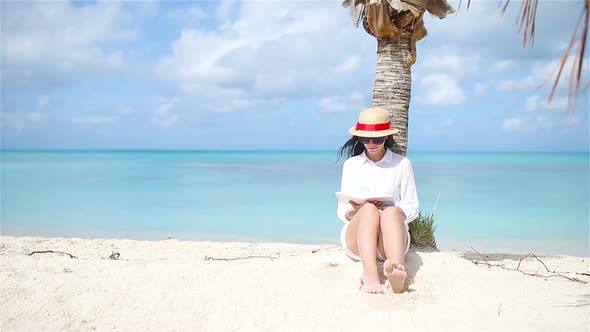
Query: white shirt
point(392, 175)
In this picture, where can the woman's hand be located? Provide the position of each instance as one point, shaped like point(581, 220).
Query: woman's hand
point(376, 203)
point(355, 207)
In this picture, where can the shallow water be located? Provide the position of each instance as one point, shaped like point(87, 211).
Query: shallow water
point(495, 201)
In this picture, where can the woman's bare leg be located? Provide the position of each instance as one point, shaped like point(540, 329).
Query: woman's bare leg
point(361, 239)
point(392, 242)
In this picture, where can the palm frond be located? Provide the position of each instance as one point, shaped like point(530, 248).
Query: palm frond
point(526, 21)
point(579, 37)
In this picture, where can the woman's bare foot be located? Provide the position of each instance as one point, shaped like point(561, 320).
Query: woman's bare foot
point(372, 285)
point(396, 274)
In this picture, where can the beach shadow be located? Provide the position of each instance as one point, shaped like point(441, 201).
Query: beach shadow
point(413, 264)
point(579, 301)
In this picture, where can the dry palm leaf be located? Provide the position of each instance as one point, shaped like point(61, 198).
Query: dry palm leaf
point(389, 18)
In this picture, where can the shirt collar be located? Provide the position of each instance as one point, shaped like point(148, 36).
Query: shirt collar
point(387, 158)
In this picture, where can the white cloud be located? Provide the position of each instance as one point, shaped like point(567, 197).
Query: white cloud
point(225, 7)
point(543, 74)
point(103, 119)
point(286, 57)
point(557, 104)
point(540, 72)
point(514, 123)
point(87, 119)
point(126, 109)
point(333, 104)
point(14, 120)
point(94, 120)
point(349, 64)
point(192, 13)
point(44, 42)
point(446, 128)
point(20, 120)
point(357, 96)
point(484, 28)
point(532, 103)
point(571, 120)
point(42, 102)
point(505, 65)
point(164, 115)
point(479, 88)
point(36, 116)
point(352, 102)
point(536, 121)
point(147, 8)
point(454, 61)
point(196, 13)
point(440, 90)
point(536, 102)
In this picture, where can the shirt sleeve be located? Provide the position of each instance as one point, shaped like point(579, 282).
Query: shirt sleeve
point(344, 187)
point(409, 198)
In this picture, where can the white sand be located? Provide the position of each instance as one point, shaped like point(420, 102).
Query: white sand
point(171, 285)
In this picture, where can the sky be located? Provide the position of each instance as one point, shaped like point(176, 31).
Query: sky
point(275, 75)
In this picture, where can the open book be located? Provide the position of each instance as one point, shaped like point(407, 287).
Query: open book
point(344, 198)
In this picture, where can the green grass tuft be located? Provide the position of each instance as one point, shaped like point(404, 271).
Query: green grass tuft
point(422, 231)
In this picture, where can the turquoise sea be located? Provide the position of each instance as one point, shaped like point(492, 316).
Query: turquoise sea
point(501, 202)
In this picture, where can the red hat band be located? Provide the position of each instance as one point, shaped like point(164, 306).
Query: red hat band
point(373, 127)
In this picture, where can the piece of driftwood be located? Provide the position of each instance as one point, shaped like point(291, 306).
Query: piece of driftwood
point(209, 258)
point(50, 251)
point(533, 255)
point(552, 275)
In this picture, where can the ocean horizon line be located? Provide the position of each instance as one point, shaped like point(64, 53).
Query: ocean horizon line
point(281, 150)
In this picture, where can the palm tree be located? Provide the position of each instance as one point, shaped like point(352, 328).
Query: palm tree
point(397, 25)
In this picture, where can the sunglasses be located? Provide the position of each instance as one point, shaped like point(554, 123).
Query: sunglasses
point(376, 140)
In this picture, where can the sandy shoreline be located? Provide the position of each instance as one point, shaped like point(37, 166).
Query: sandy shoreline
point(221, 286)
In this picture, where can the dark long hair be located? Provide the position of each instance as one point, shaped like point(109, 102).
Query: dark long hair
point(354, 147)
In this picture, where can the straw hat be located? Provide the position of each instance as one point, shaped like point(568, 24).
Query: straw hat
point(373, 122)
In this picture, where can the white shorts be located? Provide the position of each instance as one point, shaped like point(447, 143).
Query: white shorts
point(357, 257)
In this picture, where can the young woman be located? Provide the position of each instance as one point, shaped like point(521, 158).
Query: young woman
point(376, 229)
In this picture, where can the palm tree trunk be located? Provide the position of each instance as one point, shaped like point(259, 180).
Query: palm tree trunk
point(393, 85)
